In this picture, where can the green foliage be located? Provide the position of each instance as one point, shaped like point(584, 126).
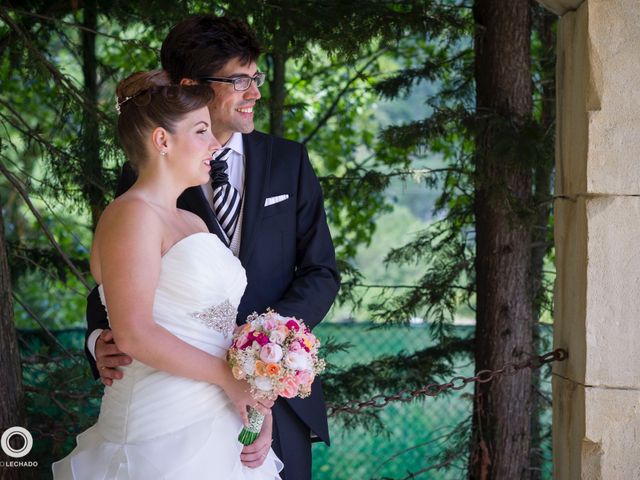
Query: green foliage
point(329, 110)
point(62, 399)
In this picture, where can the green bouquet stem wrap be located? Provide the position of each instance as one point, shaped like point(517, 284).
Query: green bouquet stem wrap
point(249, 434)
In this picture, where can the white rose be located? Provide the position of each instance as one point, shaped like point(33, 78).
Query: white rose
point(277, 337)
point(257, 323)
point(263, 383)
point(298, 361)
point(249, 366)
point(271, 353)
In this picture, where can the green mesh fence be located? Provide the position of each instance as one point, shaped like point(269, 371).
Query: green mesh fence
point(415, 434)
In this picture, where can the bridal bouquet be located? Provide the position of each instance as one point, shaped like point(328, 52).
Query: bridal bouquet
point(277, 356)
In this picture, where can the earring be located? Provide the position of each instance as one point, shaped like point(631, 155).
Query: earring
point(163, 153)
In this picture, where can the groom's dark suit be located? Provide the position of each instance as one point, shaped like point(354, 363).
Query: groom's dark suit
point(287, 252)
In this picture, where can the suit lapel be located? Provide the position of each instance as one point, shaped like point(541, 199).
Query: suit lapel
point(257, 152)
point(193, 199)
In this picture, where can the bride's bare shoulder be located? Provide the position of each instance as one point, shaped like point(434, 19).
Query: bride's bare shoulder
point(127, 211)
point(127, 220)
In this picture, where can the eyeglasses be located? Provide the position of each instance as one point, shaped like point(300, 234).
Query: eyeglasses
point(240, 83)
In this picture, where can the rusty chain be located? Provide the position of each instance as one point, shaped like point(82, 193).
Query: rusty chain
point(456, 383)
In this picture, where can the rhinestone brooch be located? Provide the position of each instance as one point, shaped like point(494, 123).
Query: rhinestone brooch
point(221, 318)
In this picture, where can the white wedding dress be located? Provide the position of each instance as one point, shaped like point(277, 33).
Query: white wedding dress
point(154, 425)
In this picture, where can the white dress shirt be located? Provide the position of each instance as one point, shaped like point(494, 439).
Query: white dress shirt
point(236, 165)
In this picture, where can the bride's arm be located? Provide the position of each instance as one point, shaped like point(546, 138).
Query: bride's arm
point(129, 243)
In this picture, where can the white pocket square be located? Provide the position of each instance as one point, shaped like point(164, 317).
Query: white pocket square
point(276, 199)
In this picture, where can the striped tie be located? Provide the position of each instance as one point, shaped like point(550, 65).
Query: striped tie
point(226, 199)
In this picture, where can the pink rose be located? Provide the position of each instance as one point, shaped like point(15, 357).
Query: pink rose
point(248, 340)
point(261, 338)
point(288, 387)
point(293, 325)
point(271, 353)
point(305, 378)
point(242, 342)
point(270, 324)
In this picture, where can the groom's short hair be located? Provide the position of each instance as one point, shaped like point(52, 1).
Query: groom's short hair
point(201, 45)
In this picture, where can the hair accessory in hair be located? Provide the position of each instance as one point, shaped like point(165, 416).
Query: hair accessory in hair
point(119, 103)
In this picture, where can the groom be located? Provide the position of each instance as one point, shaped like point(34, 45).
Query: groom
point(280, 236)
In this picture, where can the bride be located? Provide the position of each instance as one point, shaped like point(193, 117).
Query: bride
point(171, 290)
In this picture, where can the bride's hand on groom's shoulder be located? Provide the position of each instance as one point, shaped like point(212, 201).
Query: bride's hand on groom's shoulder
point(253, 455)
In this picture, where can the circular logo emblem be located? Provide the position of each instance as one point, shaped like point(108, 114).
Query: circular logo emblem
point(27, 442)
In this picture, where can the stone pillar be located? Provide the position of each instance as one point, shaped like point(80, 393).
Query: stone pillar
point(596, 394)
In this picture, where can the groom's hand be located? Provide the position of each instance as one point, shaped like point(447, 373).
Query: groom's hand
point(253, 455)
point(109, 357)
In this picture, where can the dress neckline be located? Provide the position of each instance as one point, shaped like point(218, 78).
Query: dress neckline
point(184, 239)
point(180, 242)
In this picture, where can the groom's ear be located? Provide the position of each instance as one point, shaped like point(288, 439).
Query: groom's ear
point(188, 81)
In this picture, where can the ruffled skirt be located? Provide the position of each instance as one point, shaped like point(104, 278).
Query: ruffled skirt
point(207, 449)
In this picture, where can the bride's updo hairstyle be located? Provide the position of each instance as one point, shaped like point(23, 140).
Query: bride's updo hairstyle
point(147, 100)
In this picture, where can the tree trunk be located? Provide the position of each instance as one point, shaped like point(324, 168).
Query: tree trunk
point(11, 393)
point(504, 331)
point(92, 178)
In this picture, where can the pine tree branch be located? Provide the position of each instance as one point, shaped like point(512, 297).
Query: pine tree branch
point(42, 359)
point(21, 125)
point(28, 260)
point(446, 436)
point(74, 49)
point(418, 172)
point(437, 466)
point(327, 73)
point(25, 196)
point(404, 79)
point(29, 132)
point(137, 43)
point(417, 287)
point(58, 77)
point(43, 326)
point(63, 393)
point(330, 112)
